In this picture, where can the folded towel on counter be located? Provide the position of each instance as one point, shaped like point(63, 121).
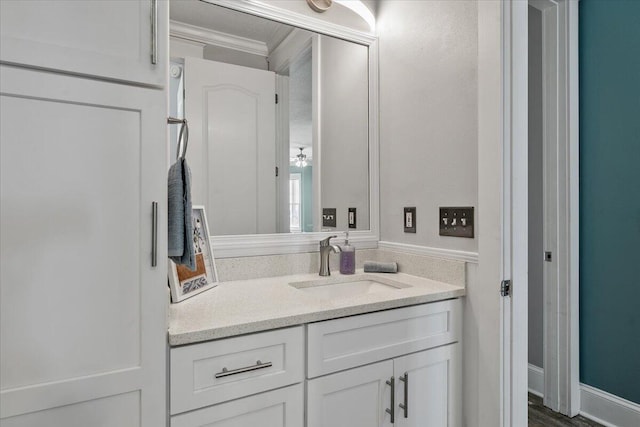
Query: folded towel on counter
point(180, 241)
point(380, 267)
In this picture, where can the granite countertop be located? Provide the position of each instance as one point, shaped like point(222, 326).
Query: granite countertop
point(246, 306)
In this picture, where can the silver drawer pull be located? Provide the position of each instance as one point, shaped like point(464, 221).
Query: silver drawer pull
point(405, 406)
point(259, 365)
point(154, 32)
point(392, 411)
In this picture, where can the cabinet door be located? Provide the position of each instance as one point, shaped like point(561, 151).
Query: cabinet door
point(354, 398)
point(82, 311)
point(278, 408)
point(104, 38)
point(430, 388)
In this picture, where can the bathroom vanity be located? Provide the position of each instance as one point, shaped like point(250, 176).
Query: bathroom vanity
point(304, 351)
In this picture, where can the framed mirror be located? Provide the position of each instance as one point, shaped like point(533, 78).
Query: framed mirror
point(282, 109)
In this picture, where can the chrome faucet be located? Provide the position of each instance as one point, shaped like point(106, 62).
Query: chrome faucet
point(325, 249)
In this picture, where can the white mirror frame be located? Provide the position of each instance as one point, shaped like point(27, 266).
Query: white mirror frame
point(273, 244)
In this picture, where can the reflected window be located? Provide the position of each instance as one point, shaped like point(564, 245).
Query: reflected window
point(295, 197)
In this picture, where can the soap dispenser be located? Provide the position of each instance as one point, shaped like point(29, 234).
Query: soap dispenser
point(347, 257)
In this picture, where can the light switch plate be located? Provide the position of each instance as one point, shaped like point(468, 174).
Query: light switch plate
point(329, 217)
point(457, 222)
point(410, 220)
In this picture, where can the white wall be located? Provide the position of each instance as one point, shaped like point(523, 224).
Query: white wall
point(428, 116)
point(440, 125)
point(179, 48)
point(344, 134)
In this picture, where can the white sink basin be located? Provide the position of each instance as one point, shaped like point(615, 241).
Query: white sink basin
point(348, 286)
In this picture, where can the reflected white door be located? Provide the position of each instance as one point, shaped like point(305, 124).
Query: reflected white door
point(231, 112)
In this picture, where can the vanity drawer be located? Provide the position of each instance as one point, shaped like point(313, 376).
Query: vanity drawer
point(216, 371)
point(339, 344)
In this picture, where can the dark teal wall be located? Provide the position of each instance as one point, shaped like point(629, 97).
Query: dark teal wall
point(610, 196)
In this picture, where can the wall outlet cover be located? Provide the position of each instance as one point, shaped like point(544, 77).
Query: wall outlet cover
point(351, 218)
point(409, 220)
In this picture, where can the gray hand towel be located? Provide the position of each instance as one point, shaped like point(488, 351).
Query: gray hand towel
point(180, 241)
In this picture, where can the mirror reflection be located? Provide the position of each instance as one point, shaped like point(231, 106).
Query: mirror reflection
point(278, 118)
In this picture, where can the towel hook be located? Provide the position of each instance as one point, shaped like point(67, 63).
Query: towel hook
point(184, 132)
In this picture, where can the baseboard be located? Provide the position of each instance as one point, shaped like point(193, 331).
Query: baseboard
point(597, 405)
point(536, 380)
point(607, 409)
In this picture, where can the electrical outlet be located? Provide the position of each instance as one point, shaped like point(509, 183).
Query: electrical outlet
point(351, 219)
point(329, 217)
point(410, 220)
point(456, 222)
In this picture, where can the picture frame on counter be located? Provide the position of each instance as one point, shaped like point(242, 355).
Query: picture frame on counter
point(185, 283)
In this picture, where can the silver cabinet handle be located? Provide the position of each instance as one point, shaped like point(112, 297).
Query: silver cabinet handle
point(392, 383)
point(154, 234)
point(154, 32)
point(259, 365)
point(405, 406)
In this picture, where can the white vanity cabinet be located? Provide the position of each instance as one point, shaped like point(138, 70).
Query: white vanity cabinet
point(101, 38)
point(207, 377)
point(415, 382)
point(359, 369)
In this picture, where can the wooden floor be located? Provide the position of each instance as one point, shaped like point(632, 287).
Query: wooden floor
point(539, 416)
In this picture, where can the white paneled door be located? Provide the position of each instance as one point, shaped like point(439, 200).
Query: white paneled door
point(231, 113)
point(82, 310)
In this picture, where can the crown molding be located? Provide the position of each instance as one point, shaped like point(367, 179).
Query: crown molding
point(257, 7)
point(197, 34)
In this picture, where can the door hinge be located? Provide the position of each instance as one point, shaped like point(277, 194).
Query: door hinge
point(505, 288)
point(276, 98)
point(277, 171)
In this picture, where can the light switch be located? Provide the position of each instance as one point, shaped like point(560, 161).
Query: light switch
point(456, 222)
point(328, 217)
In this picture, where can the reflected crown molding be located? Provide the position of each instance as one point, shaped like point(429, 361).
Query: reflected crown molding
point(207, 36)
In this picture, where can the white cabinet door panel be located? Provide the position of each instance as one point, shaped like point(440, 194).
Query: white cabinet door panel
point(110, 39)
point(82, 311)
point(433, 389)
point(354, 398)
point(112, 411)
point(278, 408)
